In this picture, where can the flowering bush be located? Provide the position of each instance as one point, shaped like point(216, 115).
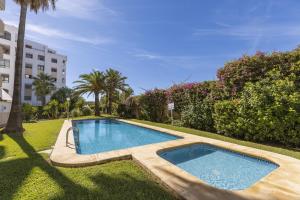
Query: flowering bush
point(190, 93)
point(235, 74)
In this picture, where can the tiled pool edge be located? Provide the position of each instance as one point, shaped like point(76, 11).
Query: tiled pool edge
point(283, 183)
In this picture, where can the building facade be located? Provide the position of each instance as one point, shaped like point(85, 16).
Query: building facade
point(37, 58)
point(2, 7)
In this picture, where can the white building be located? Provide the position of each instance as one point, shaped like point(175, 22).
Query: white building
point(37, 58)
point(5, 105)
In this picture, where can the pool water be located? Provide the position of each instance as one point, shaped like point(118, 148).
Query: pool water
point(103, 135)
point(218, 167)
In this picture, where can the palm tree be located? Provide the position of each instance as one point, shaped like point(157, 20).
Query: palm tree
point(14, 123)
point(43, 86)
point(126, 93)
point(114, 82)
point(92, 83)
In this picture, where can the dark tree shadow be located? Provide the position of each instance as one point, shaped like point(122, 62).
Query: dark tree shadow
point(14, 172)
point(2, 152)
point(26, 165)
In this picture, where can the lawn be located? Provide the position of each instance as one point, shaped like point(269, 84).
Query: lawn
point(288, 152)
point(27, 174)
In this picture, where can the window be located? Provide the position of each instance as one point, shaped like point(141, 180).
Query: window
point(28, 71)
point(41, 68)
point(53, 70)
point(5, 78)
point(28, 86)
point(41, 58)
point(28, 46)
point(27, 98)
point(50, 51)
point(63, 80)
point(63, 71)
point(53, 60)
point(6, 35)
point(28, 66)
point(54, 79)
point(29, 55)
point(4, 63)
point(28, 92)
point(64, 62)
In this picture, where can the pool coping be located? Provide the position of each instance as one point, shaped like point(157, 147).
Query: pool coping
point(281, 184)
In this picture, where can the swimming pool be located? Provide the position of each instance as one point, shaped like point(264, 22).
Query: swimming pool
point(96, 136)
point(218, 167)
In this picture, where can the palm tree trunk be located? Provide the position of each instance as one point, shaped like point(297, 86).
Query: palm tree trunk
point(106, 102)
point(14, 124)
point(97, 109)
point(43, 100)
point(110, 100)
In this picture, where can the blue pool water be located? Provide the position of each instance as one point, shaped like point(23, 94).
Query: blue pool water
point(219, 167)
point(97, 136)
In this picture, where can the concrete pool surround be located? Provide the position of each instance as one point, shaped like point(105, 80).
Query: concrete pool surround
point(282, 183)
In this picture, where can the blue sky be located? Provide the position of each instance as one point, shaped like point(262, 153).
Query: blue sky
point(156, 43)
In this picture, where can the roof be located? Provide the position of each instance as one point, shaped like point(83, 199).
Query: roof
point(4, 96)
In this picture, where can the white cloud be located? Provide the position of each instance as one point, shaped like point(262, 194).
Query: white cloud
point(148, 56)
point(250, 30)
point(60, 34)
point(83, 9)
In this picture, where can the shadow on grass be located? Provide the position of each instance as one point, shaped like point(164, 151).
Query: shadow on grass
point(14, 174)
point(2, 152)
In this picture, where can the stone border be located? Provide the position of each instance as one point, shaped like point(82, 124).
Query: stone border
point(281, 184)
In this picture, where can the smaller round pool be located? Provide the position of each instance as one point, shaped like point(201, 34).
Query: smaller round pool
point(219, 167)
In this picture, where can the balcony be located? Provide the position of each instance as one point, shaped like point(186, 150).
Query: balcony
point(4, 49)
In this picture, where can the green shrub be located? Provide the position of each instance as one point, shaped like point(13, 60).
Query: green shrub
point(225, 117)
point(86, 111)
point(199, 115)
point(268, 110)
point(76, 112)
point(122, 111)
point(29, 112)
point(51, 110)
point(130, 108)
point(154, 105)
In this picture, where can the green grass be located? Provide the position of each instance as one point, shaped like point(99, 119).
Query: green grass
point(26, 174)
point(40, 136)
point(288, 152)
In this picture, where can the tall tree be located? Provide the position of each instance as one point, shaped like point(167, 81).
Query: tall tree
point(128, 92)
point(114, 82)
point(92, 83)
point(14, 124)
point(43, 85)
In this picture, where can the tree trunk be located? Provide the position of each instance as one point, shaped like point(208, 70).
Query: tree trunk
point(14, 124)
point(110, 100)
point(97, 109)
point(106, 102)
point(43, 98)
